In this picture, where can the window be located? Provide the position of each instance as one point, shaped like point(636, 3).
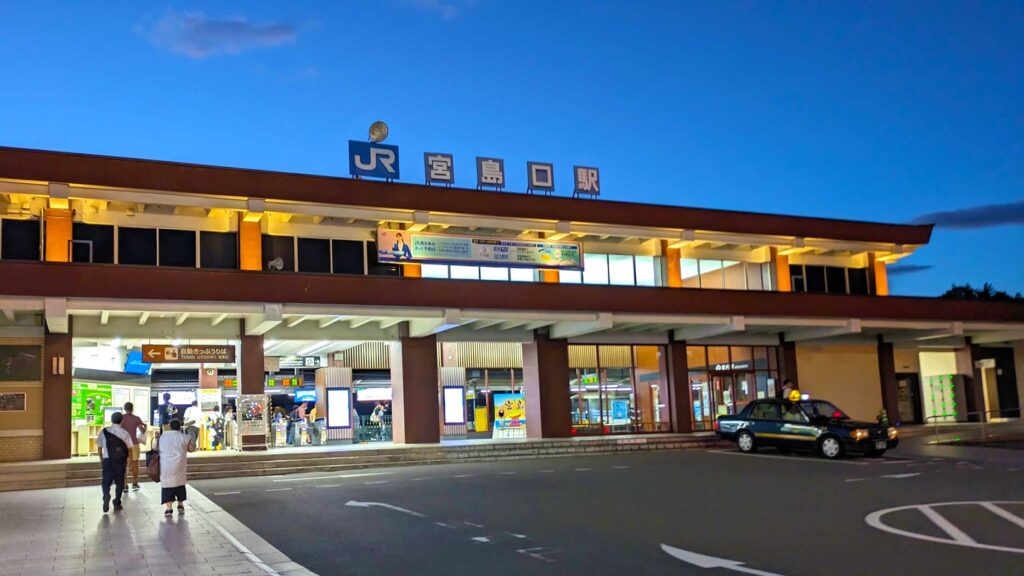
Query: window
point(314, 255)
point(136, 246)
point(835, 277)
point(464, 272)
point(766, 275)
point(620, 270)
point(376, 268)
point(765, 411)
point(177, 248)
point(645, 271)
point(858, 281)
point(434, 271)
point(102, 241)
point(814, 277)
point(218, 250)
point(278, 253)
point(755, 280)
point(522, 275)
point(570, 277)
point(735, 275)
point(595, 268)
point(20, 239)
point(796, 276)
point(492, 273)
point(711, 274)
point(347, 256)
point(690, 273)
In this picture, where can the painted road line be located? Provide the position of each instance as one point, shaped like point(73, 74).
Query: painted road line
point(538, 552)
point(277, 489)
point(901, 476)
point(583, 469)
point(314, 478)
point(473, 525)
point(484, 539)
point(545, 471)
point(358, 504)
point(946, 526)
point(421, 478)
point(619, 467)
point(1004, 514)
point(506, 473)
point(225, 493)
point(464, 476)
point(443, 525)
point(702, 561)
point(514, 535)
point(327, 486)
point(790, 458)
point(956, 536)
point(375, 482)
point(856, 479)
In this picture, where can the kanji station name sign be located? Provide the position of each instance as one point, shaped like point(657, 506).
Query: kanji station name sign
point(187, 354)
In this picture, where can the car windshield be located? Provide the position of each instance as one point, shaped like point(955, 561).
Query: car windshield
point(822, 408)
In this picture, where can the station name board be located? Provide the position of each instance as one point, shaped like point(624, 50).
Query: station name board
point(406, 247)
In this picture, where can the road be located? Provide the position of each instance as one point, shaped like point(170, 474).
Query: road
point(770, 514)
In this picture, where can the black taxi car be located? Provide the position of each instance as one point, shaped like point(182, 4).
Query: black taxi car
point(812, 425)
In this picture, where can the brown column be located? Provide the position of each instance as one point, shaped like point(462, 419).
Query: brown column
point(679, 388)
point(415, 412)
point(545, 375)
point(57, 395)
point(673, 273)
point(887, 378)
point(251, 379)
point(780, 271)
point(787, 364)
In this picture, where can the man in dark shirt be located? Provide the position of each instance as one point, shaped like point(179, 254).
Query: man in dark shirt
point(167, 412)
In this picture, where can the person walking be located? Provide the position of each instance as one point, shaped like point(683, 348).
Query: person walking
point(134, 426)
point(112, 445)
point(193, 417)
point(174, 446)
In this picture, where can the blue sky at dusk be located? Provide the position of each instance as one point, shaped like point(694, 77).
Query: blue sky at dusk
point(858, 110)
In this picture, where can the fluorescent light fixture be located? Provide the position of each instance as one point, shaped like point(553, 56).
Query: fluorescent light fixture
point(177, 342)
point(115, 342)
point(269, 344)
point(317, 346)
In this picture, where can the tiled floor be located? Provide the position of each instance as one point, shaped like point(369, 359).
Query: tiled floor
point(64, 531)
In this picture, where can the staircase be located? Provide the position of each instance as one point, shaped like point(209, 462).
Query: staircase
point(64, 473)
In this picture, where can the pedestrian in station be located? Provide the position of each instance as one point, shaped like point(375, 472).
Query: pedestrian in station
point(112, 445)
point(174, 446)
point(193, 417)
point(135, 427)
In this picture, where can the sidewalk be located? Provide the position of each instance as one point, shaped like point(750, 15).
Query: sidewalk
point(64, 531)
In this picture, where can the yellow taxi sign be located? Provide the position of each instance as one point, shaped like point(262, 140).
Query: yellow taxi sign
point(794, 395)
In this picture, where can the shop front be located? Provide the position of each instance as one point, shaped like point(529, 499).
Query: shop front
point(618, 389)
point(724, 379)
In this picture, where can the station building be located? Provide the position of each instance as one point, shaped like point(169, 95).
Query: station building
point(673, 316)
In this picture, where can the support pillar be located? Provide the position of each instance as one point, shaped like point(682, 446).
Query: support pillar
point(58, 235)
point(251, 379)
point(973, 385)
point(680, 405)
point(787, 364)
point(250, 242)
point(549, 276)
point(415, 412)
point(57, 395)
point(780, 271)
point(887, 379)
point(545, 375)
point(673, 270)
point(879, 275)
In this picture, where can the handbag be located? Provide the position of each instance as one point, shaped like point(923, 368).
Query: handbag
point(153, 462)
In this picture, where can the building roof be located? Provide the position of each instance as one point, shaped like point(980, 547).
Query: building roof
point(95, 170)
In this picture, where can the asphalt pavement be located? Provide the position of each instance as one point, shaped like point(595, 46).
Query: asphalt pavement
point(714, 512)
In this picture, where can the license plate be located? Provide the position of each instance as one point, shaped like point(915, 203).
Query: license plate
point(880, 445)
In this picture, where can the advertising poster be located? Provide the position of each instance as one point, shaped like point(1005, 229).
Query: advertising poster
point(403, 246)
point(509, 411)
point(209, 398)
point(21, 364)
point(455, 405)
point(620, 411)
point(89, 400)
point(252, 414)
point(339, 408)
point(12, 402)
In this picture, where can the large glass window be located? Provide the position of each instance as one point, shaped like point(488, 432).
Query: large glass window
point(570, 277)
point(858, 281)
point(730, 378)
point(136, 246)
point(347, 256)
point(690, 272)
point(464, 272)
point(828, 279)
point(92, 243)
point(711, 275)
point(835, 278)
point(20, 239)
point(618, 389)
point(493, 273)
point(735, 275)
point(522, 275)
point(375, 268)
point(177, 248)
point(218, 250)
point(314, 255)
point(595, 268)
point(434, 271)
point(620, 270)
point(646, 274)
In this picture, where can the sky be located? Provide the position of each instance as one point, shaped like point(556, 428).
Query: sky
point(882, 111)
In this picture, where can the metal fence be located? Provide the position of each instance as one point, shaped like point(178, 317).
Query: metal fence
point(368, 431)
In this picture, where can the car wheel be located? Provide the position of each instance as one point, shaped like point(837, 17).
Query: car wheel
point(830, 447)
point(745, 442)
point(874, 453)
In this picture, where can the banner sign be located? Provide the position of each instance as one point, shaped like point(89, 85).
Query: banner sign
point(509, 411)
point(12, 402)
point(188, 354)
point(372, 159)
point(403, 246)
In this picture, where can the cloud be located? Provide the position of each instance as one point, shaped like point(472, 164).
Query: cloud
point(900, 269)
point(977, 217)
point(194, 35)
point(446, 9)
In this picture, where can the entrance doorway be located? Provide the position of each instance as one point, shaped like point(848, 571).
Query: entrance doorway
point(908, 398)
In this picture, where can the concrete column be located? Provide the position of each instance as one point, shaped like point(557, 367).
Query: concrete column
point(673, 274)
point(250, 243)
point(974, 401)
point(887, 378)
point(879, 276)
point(680, 406)
point(415, 412)
point(546, 378)
point(251, 378)
point(1018, 366)
point(787, 364)
point(57, 395)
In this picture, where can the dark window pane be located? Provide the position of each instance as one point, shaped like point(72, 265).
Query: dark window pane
point(858, 281)
point(275, 247)
point(136, 246)
point(102, 238)
point(348, 256)
point(796, 276)
point(218, 250)
point(373, 267)
point(178, 248)
point(836, 279)
point(314, 255)
point(20, 239)
point(814, 277)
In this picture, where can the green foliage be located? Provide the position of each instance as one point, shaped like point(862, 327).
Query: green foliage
point(986, 294)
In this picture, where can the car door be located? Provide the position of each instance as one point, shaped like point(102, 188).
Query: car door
point(765, 422)
point(796, 430)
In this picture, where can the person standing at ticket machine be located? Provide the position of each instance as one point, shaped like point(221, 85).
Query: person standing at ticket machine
point(167, 413)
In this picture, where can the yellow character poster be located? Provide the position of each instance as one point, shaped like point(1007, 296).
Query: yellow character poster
point(509, 413)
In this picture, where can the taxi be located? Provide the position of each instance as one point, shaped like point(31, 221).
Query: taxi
point(811, 425)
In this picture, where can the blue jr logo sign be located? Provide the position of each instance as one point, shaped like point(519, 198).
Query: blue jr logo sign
point(373, 160)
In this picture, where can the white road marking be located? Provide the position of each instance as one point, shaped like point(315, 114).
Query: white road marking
point(583, 469)
point(855, 479)
point(545, 471)
point(361, 475)
point(901, 476)
point(328, 486)
point(538, 553)
point(956, 536)
point(702, 561)
point(514, 535)
point(422, 478)
point(473, 525)
point(481, 539)
point(376, 482)
point(225, 493)
point(277, 489)
point(790, 458)
point(464, 476)
point(358, 504)
point(1004, 514)
point(506, 473)
point(619, 467)
point(443, 525)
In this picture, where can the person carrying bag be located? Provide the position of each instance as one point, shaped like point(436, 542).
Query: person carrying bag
point(153, 461)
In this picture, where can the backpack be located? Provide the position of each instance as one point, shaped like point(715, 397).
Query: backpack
point(117, 450)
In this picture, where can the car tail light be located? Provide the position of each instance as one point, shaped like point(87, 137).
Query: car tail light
point(837, 414)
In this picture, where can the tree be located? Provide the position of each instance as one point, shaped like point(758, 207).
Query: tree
point(986, 294)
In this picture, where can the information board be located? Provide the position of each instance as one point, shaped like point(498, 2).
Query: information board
point(403, 246)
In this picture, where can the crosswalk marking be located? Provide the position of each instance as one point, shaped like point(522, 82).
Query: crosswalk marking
point(1004, 514)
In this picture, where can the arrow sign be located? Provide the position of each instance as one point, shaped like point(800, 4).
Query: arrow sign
point(383, 505)
point(702, 561)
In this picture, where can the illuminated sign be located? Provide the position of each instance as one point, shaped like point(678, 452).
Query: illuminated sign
point(373, 159)
point(454, 405)
point(373, 394)
point(439, 168)
point(587, 179)
point(339, 408)
point(403, 246)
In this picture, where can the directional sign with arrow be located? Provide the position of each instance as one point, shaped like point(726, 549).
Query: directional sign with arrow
point(189, 354)
point(702, 561)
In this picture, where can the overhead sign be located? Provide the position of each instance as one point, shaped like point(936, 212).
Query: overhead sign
point(373, 160)
point(540, 176)
point(403, 246)
point(188, 354)
point(587, 179)
point(490, 172)
point(299, 362)
point(439, 168)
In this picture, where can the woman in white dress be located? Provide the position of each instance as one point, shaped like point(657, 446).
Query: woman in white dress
point(174, 446)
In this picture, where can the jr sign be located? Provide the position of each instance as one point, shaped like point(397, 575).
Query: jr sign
point(373, 160)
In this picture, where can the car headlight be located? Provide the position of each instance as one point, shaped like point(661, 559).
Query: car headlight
point(893, 433)
point(859, 434)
